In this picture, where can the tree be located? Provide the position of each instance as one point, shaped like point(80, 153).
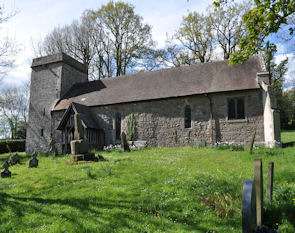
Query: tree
point(276, 80)
point(195, 34)
point(73, 39)
point(229, 28)
point(265, 19)
point(13, 109)
point(8, 47)
point(111, 41)
point(128, 36)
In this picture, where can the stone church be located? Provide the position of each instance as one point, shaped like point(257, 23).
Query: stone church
point(210, 102)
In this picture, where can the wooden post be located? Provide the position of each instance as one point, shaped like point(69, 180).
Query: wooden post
point(269, 189)
point(258, 180)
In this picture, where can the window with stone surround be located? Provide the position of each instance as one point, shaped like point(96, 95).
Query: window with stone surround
point(236, 108)
point(42, 133)
point(187, 117)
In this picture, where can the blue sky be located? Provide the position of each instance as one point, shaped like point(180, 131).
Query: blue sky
point(36, 18)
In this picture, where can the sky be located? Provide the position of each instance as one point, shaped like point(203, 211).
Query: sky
point(36, 18)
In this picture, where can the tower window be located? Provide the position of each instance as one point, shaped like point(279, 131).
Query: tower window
point(118, 126)
point(236, 108)
point(187, 117)
point(42, 133)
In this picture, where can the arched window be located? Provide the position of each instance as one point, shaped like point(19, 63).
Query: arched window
point(187, 117)
point(118, 126)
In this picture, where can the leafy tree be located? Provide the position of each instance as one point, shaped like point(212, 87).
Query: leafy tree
point(129, 37)
point(73, 39)
point(111, 41)
point(287, 113)
point(276, 79)
point(21, 130)
point(175, 55)
point(195, 34)
point(265, 19)
point(229, 28)
point(13, 109)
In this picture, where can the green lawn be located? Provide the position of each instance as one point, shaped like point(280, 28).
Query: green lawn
point(152, 190)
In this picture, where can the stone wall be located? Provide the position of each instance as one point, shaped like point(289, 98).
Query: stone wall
point(161, 122)
point(51, 77)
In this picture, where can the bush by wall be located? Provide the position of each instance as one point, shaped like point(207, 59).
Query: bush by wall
point(17, 145)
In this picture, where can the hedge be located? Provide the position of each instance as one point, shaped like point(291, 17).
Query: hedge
point(17, 145)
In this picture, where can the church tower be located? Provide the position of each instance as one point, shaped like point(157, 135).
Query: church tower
point(51, 77)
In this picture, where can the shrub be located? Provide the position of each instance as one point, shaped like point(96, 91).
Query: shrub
point(200, 144)
point(237, 148)
point(17, 145)
point(131, 131)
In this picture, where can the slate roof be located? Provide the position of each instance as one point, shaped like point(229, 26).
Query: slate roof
point(87, 116)
point(196, 79)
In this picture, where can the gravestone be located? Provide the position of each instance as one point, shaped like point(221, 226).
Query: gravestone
point(14, 159)
point(5, 173)
point(124, 143)
point(258, 180)
point(33, 161)
point(249, 207)
point(269, 189)
point(52, 148)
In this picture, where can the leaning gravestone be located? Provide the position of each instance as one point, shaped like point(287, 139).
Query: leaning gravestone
point(6, 172)
point(14, 159)
point(124, 143)
point(34, 161)
point(249, 207)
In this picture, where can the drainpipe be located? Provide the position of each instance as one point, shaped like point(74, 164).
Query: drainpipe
point(211, 117)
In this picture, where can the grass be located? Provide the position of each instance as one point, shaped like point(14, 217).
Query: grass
point(191, 189)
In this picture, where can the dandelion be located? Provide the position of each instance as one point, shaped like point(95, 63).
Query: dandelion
point(293, 199)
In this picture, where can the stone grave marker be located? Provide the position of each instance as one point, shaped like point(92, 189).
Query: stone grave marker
point(79, 146)
point(5, 173)
point(124, 143)
point(258, 180)
point(249, 207)
point(34, 161)
point(14, 159)
point(52, 148)
point(269, 189)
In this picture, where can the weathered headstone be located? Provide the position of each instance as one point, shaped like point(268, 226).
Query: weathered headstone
point(249, 207)
point(258, 180)
point(33, 161)
point(14, 159)
point(124, 143)
point(269, 189)
point(5, 173)
point(52, 148)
